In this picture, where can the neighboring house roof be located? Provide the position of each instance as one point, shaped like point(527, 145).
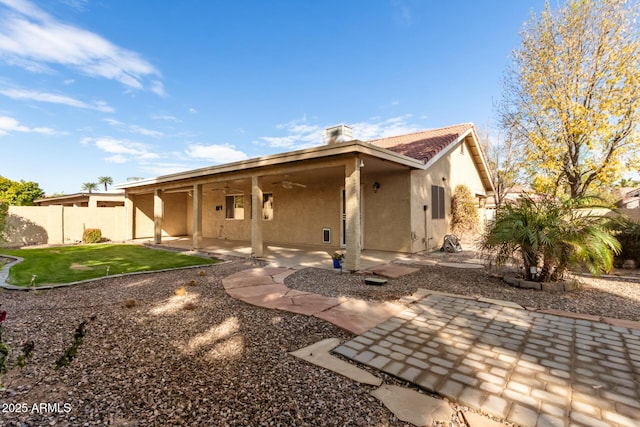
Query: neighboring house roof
point(79, 198)
point(628, 197)
point(423, 145)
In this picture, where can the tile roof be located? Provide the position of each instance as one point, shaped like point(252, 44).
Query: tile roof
point(423, 145)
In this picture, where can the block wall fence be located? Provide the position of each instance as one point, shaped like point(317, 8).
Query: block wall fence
point(33, 225)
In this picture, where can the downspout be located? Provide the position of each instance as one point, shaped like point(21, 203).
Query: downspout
point(426, 228)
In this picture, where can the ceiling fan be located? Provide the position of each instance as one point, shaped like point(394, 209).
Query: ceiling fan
point(288, 184)
point(227, 189)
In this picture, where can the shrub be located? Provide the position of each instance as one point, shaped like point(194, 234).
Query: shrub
point(551, 236)
point(92, 235)
point(464, 215)
point(627, 232)
point(4, 210)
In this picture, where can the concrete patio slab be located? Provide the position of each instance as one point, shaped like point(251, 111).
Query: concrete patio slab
point(318, 354)
point(391, 271)
point(413, 407)
point(286, 256)
point(359, 316)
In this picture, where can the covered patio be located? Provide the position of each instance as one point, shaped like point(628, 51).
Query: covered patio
point(289, 256)
point(309, 197)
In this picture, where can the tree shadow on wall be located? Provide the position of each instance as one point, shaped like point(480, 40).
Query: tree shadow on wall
point(21, 231)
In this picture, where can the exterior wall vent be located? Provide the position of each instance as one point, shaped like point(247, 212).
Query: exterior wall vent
point(336, 134)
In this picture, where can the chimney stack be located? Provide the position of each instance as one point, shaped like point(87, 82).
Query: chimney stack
point(336, 134)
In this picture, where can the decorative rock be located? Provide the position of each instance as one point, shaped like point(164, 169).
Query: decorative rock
point(551, 286)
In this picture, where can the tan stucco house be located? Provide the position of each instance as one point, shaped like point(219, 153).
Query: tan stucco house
point(390, 194)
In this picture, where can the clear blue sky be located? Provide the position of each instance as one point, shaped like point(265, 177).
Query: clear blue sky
point(142, 88)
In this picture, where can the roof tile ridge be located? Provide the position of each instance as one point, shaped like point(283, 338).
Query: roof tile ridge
point(421, 131)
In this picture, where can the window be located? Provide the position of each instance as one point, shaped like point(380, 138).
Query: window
point(437, 202)
point(267, 206)
point(234, 207)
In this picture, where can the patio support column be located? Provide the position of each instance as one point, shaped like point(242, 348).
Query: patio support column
point(257, 244)
point(197, 216)
point(352, 211)
point(158, 215)
point(130, 210)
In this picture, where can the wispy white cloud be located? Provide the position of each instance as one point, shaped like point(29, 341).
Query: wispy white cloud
point(158, 88)
point(402, 13)
point(9, 124)
point(166, 117)
point(118, 158)
point(33, 39)
point(193, 110)
point(157, 169)
point(134, 128)
point(121, 150)
point(379, 128)
point(54, 98)
point(76, 4)
point(301, 133)
point(215, 153)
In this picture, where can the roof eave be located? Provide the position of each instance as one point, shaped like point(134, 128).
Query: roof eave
point(314, 153)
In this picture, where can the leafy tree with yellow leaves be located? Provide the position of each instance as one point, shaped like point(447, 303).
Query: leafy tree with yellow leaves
point(572, 95)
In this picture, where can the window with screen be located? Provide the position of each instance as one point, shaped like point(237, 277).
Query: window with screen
point(437, 202)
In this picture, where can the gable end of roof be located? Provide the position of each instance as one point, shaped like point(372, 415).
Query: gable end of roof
point(423, 145)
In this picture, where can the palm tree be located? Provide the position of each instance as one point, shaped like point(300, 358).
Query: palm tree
point(89, 186)
point(105, 180)
point(551, 236)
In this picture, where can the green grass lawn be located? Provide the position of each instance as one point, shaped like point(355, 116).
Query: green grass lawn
point(66, 264)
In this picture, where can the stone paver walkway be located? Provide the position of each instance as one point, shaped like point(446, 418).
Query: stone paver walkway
point(530, 368)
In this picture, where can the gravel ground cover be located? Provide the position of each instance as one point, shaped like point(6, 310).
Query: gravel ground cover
point(605, 297)
point(164, 351)
point(155, 358)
